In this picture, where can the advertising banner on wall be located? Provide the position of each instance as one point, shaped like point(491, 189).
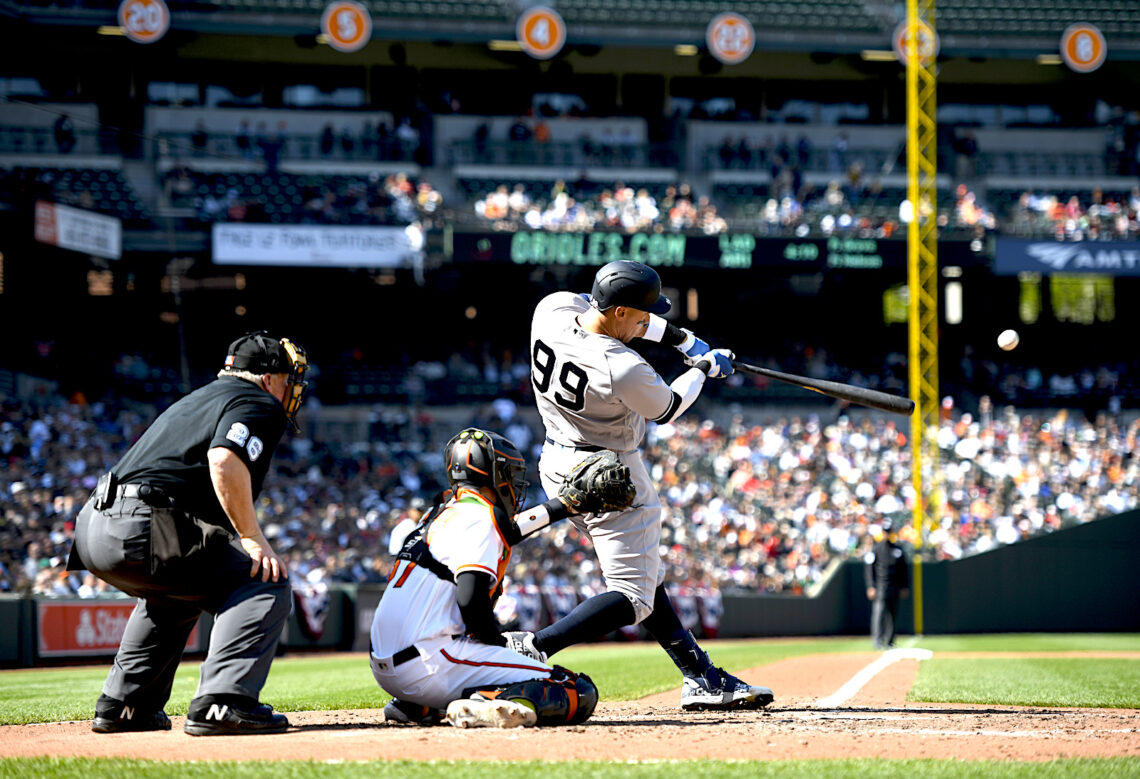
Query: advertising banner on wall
point(315, 245)
point(86, 627)
point(1111, 258)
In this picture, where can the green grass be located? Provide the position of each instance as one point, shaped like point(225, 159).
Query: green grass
point(627, 672)
point(330, 682)
point(1029, 642)
point(1030, 682)
point(85, 768)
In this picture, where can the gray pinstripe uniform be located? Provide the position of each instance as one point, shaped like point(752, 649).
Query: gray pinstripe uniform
point(592, 392)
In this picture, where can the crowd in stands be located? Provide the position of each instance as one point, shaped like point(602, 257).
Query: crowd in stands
point(749, 505)
point(582, 206)
point(344, 200)
point(1100, 216)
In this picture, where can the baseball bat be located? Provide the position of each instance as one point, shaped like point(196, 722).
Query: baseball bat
point(860, 395)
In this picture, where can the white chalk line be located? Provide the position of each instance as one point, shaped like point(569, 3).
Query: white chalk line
point(866, 674)
point(1014, 733)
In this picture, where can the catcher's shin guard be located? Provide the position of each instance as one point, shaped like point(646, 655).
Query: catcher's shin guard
point(566, 698)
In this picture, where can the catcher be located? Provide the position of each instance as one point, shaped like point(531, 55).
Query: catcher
point(436, 645)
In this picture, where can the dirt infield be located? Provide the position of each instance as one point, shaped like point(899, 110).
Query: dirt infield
point(875, 721)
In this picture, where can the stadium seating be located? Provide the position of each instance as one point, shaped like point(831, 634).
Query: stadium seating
point(96, 189)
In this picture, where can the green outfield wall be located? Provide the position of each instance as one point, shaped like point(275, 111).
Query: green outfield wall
point(1080, 579)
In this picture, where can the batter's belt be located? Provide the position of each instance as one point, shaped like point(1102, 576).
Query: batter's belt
point(582, 448)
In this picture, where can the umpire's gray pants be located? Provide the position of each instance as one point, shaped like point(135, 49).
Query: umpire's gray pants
point(211, 576)
point(883, 611)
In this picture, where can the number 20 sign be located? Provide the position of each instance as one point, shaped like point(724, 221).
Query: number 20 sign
point(144, 21)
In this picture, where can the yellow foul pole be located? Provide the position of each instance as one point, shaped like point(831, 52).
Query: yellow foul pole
point(922, 276)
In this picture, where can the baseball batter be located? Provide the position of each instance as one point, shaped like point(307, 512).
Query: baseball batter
point(594, 392)
point(436, 645)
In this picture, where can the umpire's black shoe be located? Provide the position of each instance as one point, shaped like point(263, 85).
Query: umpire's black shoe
point(115, 716)
point(232, 715)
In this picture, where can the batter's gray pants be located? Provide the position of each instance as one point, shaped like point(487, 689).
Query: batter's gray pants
point(627, 543)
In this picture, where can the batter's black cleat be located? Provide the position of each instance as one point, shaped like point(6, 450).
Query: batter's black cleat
point(717, 689)
point(115, 716)
point(232, 715)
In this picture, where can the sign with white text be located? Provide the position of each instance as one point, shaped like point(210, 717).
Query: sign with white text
point(79, 230)
point(315, 246)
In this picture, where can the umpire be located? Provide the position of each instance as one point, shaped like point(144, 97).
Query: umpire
point(887, 577)
point(173, 524)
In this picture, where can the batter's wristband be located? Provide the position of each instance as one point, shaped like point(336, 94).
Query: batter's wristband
point(704, 365)
point(655, 329)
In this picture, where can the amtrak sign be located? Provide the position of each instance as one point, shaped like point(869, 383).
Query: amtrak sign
point(1110, 258)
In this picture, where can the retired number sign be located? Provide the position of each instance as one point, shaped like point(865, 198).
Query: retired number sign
point(144, 21)
point(346, 25)
point(541, 32)
point(926, 46)
point(1083, 48)
point(730, 38)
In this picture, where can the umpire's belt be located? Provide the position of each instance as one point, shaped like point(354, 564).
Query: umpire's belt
point(148, 494)
point(582, 448)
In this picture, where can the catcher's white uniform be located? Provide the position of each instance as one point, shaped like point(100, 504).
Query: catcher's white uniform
point(594, 392)
point(419, 610)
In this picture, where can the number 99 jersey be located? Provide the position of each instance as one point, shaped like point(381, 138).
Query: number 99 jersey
point(590, 389)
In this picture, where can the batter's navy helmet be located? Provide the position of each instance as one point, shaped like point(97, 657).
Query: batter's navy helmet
point(629, 283)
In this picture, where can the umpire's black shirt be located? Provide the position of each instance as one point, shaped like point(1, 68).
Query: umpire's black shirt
point(171, 454)
point(886, 568)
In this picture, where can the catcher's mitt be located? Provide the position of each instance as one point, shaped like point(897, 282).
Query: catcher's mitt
point(598, 484)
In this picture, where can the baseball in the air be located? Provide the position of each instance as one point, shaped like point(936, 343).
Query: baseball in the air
point(1008, 339)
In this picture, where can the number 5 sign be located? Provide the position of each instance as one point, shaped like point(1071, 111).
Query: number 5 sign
point(144, 21)
point(541, 32)
point(346, 25)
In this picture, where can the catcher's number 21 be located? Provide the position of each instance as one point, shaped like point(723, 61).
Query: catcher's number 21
point(571, 378)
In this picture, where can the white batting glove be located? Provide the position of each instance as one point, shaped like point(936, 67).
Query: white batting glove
point(692, 348)
point(719, 362)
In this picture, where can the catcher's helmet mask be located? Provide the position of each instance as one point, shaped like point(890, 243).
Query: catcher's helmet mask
point(628, 283)
point(479, 458)
point(258, 352)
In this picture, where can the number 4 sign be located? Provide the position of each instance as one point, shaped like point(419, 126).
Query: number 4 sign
point(541, 32)
point(144, 21)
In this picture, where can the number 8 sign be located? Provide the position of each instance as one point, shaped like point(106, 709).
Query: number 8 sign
point(1083, 48)
point(730, 38)
point(144, 21)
